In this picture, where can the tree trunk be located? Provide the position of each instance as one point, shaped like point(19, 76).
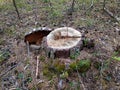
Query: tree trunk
point(16, 9)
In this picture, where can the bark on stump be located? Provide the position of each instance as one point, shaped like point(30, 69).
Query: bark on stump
point(62, 43)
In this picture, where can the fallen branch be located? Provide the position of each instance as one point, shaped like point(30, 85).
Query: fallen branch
point(111, 14)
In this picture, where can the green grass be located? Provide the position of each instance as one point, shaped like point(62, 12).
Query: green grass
point(116, 58)
point(4, 56)
point(8, 5)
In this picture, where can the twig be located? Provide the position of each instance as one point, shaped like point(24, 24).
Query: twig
point(111, 14)
point(108, 12)
point(101, 76)
point(28, 48)
point(26, 67)
point(9, 69)
point(40, 81)
point(14, 3)
point(91, 6)
point(37, 67)
point(33, 76)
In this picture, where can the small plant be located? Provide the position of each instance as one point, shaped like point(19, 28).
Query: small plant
point(116, 58)
point(64, 75)
point(85, 42)
point(81, 65)
point(20, 75)
point(75, 54)
point(89, 43)
point(59, 66)
point(48, 73)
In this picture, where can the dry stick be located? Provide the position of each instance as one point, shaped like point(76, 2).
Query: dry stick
point(91, 5)
point(108, 12)
point(111, 14)
point(37, 67)
point(14, 3)
point(33, 76)
point(28, 48)
point(101, 76)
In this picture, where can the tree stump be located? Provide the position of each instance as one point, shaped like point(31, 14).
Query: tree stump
point(36, 35)
point(63, 42)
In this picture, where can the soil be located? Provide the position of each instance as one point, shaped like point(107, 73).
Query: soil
point(102, 40)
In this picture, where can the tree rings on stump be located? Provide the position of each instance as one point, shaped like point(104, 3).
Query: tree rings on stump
point(63, 42)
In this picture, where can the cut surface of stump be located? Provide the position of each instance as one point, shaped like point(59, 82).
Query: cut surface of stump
point(62, 42)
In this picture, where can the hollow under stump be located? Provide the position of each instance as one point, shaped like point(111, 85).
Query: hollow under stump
point(36, 35)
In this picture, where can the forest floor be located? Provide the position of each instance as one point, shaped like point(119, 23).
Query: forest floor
point(18, 68)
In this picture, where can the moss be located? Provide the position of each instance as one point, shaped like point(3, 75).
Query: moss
point(59, 66)
point(81, 65)
point(42, 58)
point(73, 66)
point(48, 73)
point(45, 71)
